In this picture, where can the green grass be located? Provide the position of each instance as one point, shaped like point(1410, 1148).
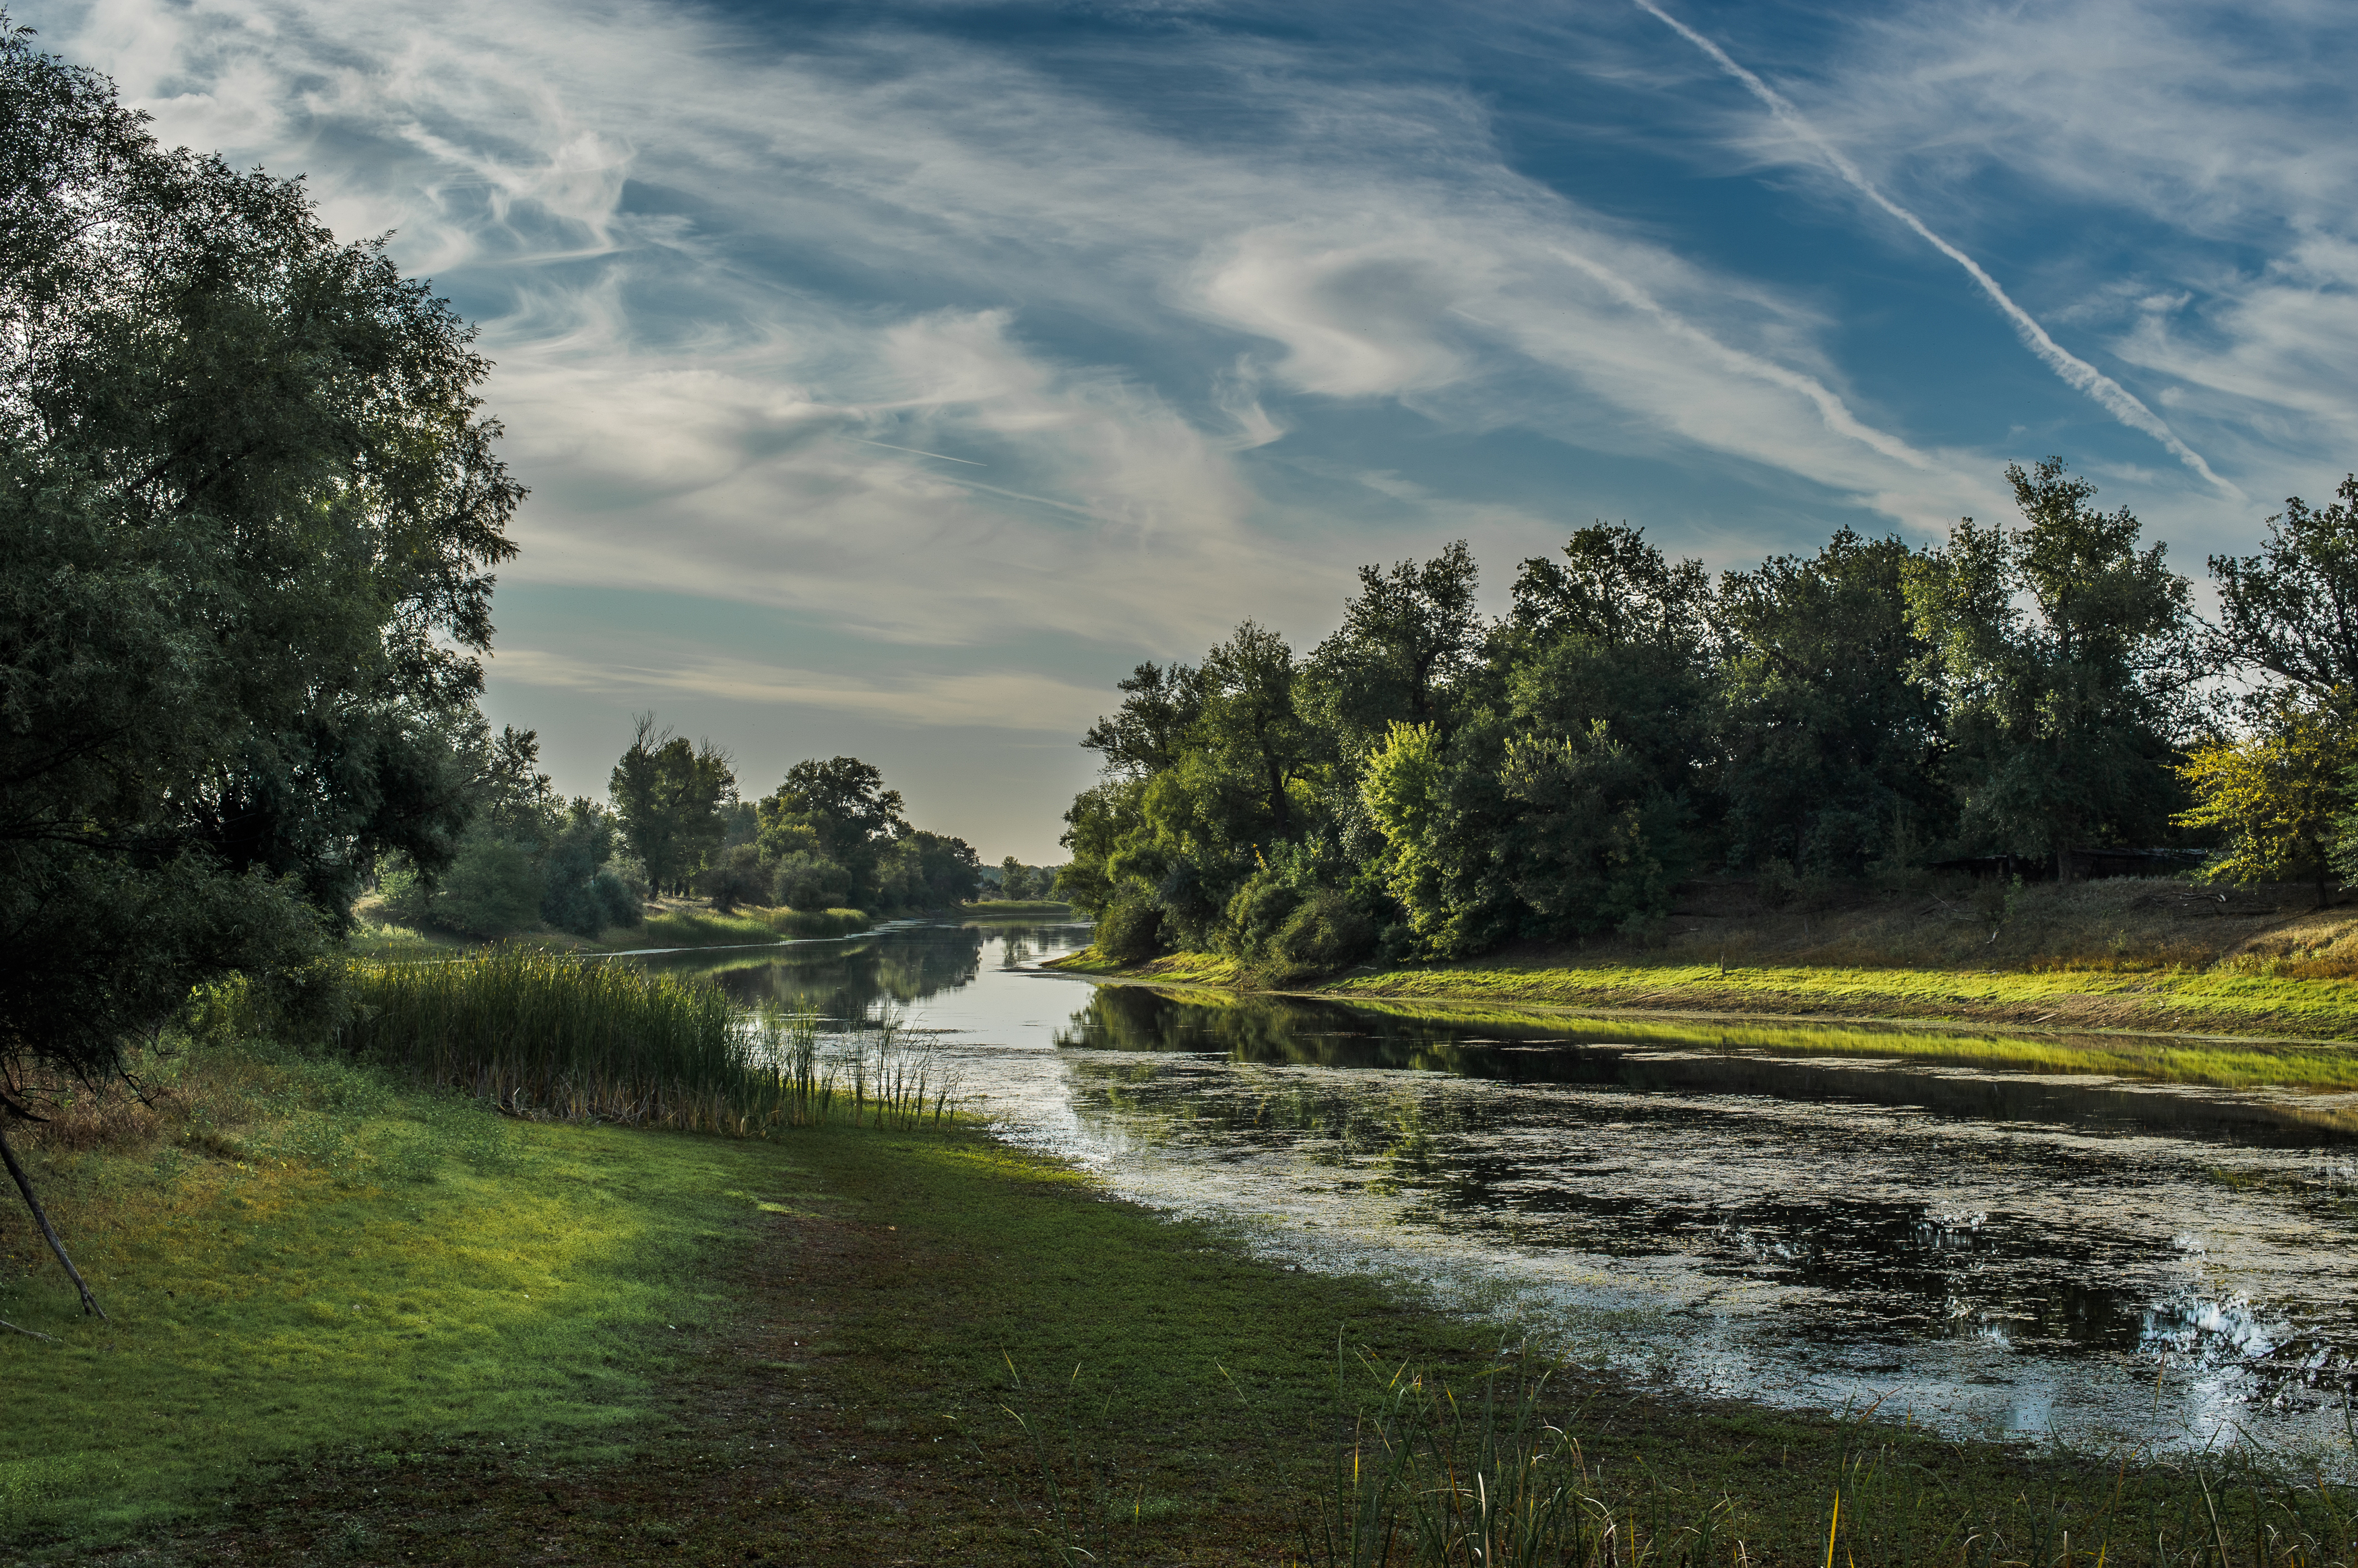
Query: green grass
point(677, 926)
point(692, 927)
point(1016, 906)
point(606, 1344)
point(311, 1256)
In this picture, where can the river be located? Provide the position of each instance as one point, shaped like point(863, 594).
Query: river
point(1990, 1252)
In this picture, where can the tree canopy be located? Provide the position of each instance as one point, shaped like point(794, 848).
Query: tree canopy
point(248, 507)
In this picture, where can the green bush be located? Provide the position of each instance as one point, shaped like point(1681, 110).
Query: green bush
point(804, 880)
point(739, 877)
point(1255, 913)
point(1132, 927)
point(493, 889)
point(1328, 931)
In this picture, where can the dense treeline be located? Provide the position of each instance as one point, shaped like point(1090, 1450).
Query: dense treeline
point(831, 835)
point(1432, 782)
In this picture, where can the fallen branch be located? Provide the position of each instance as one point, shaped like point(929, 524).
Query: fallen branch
point(29, 1332)
point(41, 1217)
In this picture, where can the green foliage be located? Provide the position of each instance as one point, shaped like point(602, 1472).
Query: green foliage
point(2067, 652)
point(534, 1031)
point(673, 799)
point(804, 880)
point(2280, 797)
point(1130, 927)
point(736, 877)
point(2292, 611)
point(247, 513)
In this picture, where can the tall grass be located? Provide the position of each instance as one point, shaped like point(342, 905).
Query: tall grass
point(1441, 1477)
point(541, 1034)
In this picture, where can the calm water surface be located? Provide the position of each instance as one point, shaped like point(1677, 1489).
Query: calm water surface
point(1996, 1252)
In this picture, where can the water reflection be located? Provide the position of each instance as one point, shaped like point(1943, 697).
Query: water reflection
point(1996, 1250)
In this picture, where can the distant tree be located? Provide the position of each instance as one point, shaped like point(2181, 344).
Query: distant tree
point(2066, 654)
point(852, 818)
point(2292, 610)
point(1015, 880)
point(672, 798)
point(247, 513)
point(930, 871)
point(2278, 797)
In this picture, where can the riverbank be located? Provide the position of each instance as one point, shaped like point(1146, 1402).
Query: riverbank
point(355, 1321)
point(2126, 957)
point(669, 923)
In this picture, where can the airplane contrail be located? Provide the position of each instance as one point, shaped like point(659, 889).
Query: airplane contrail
point(2115, 398)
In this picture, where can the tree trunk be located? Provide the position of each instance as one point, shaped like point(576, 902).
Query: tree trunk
point(41, 1219)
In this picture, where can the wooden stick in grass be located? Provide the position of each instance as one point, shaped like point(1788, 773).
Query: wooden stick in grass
point(41, 1217)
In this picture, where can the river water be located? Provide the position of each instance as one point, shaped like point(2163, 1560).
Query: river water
point(1993, 1252)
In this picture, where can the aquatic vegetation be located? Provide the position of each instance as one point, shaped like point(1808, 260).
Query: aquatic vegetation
point(539, 1034)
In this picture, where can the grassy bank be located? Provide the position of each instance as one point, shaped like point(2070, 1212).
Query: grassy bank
point(357, 1321)
point(988, 906)
point(2128, 955)
point(670, 923)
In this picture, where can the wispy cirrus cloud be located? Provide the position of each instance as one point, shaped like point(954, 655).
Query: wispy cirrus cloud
point(927, 341)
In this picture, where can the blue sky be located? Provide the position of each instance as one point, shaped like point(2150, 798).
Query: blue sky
point(891, 379)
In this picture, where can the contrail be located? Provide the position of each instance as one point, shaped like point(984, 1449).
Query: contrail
point(919, 450)
point(2115, 398)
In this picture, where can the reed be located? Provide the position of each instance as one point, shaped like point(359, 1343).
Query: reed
point(539, 1034)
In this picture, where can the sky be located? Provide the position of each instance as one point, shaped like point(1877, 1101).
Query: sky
point(891, 379)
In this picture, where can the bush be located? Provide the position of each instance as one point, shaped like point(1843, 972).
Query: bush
point(804, 880)
point(739, 877)
point(1255, 913)
point(1328, 931)
point(1131, 928)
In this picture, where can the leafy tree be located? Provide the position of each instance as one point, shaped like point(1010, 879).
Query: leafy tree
point(1832, 749)
point(929, 870)
point(2278, 795)
point(1255, 745)
point(804, 880)
point(2066, 654)
point(851, 817)
point(1014, 879)
point(1147, 734)
point(1407, 638)
point(2292, 610)
point(673, 800)
point(582, 890)
point(247, 510)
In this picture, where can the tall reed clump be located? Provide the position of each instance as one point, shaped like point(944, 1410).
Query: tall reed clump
point(541, 1034)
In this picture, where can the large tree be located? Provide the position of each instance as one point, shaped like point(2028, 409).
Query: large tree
point(247, 503)
point(2066, 654)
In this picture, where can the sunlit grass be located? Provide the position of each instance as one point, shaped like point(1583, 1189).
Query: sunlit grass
point(303, 1254)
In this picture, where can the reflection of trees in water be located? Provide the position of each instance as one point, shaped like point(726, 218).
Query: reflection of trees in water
point(1269, 1031)
point(850, 980)
point(1335, 1126)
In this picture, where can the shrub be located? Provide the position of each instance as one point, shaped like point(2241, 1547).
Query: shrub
point(1255, 915)
point(738, 878)
point(804, 880)
point(1132, 927)
point(493, 889)
point(1328, 931)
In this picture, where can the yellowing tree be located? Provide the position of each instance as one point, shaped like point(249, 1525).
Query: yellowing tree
point(2278, 794)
